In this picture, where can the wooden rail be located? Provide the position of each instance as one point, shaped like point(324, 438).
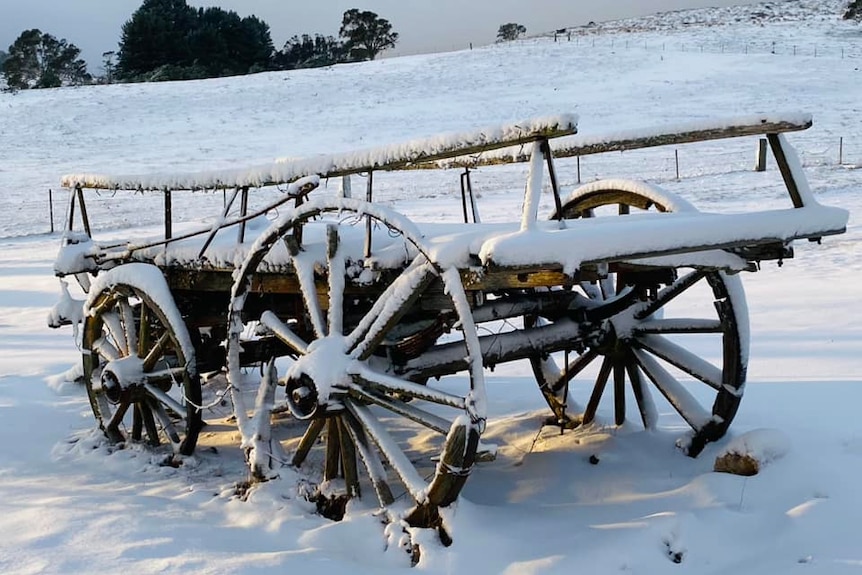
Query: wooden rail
point(637, 139)
point(386, 158)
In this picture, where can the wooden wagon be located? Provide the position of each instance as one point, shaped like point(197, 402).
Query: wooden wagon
point(364, 316)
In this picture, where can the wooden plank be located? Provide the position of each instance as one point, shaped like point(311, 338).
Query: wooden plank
point(662, 136)
point(387, 158)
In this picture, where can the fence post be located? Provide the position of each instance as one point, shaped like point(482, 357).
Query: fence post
point(841, 150)
point(760, 160)
point(51, 207)
point(579, 169)
point(676, 158)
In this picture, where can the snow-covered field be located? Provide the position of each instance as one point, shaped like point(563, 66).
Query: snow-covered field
point(68, 504)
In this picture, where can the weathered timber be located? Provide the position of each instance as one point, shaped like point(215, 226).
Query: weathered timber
point(587, 145)
point(389, 158)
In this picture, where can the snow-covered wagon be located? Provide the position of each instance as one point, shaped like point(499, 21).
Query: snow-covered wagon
point(379, 328)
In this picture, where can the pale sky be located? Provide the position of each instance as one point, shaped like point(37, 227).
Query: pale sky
point(423, 25)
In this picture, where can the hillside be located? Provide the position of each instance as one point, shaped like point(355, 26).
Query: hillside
point(757, 14)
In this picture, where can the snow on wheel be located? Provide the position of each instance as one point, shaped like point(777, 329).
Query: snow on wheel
point(683, 343)
point(357, 426)
point(139, 363)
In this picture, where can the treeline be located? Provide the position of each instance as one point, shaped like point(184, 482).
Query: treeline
point(170, 40)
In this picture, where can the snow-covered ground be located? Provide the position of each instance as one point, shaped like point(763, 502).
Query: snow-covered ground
point(69, 504)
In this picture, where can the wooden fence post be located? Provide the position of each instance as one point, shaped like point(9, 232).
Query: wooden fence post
point(676, 159)
point(841, 150)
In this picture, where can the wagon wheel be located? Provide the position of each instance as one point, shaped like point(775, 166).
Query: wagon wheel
point(416, 440)
point(138, 364)
point(687, 341)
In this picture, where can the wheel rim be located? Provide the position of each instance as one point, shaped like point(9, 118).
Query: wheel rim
point(138, 380)
point(363, 426)
point(683, 346)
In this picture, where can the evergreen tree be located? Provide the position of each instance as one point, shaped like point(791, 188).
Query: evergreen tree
point(157, 35)
point(366, 34)
point(854, 10)
point(37, 60)
point(168, 40)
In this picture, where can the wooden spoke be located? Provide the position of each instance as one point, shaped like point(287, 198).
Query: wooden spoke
point(303, 266)
point(144, 332)
point(137, 423)
point(677, 395)
point(312, 432)
point(367, 377)
point(104, 348)
point(166, 400)
point(370, 459)
point(410, 478)
point(574, 368)
point(149, 423)
point(333, 449)
point(666, 295)
point(389, 307)
point(337, 269)
point(598, 390)
point(643, 397)
point(114, 329)
point(411, 412)
point(165, 420)
point(683, 359)
point(127, 317)
point(679, 326)
point(283, 332)
point(117, 419)
point(155, 354)
point(348, 459)
point(619, 393)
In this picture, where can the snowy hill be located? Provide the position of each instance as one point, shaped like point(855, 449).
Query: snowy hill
point(611, 498)
point(809, 12)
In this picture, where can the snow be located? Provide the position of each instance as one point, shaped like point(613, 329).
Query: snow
point(289, 170)
point(617, 499)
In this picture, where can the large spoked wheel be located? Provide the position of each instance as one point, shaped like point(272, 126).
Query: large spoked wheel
point(682, 344)
point(139, 365)
point(359, 426)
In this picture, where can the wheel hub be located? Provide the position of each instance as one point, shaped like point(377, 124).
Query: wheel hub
point(318, 379)
point(120, 377)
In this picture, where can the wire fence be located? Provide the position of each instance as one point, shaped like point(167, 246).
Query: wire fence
point(780, 47)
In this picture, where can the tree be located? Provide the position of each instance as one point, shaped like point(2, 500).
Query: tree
point(854, 10)
point(109, 66)
point(366, 34)
point(3, 56)
point(510, 31)
point(37, 60)
point(156, 35)
point(168, 40)
point(308, 52)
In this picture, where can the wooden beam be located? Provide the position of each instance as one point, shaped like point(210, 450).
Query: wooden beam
point(661, 136)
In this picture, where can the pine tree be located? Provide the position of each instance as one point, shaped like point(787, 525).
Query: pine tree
point(157, 35)
point(854, 10)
